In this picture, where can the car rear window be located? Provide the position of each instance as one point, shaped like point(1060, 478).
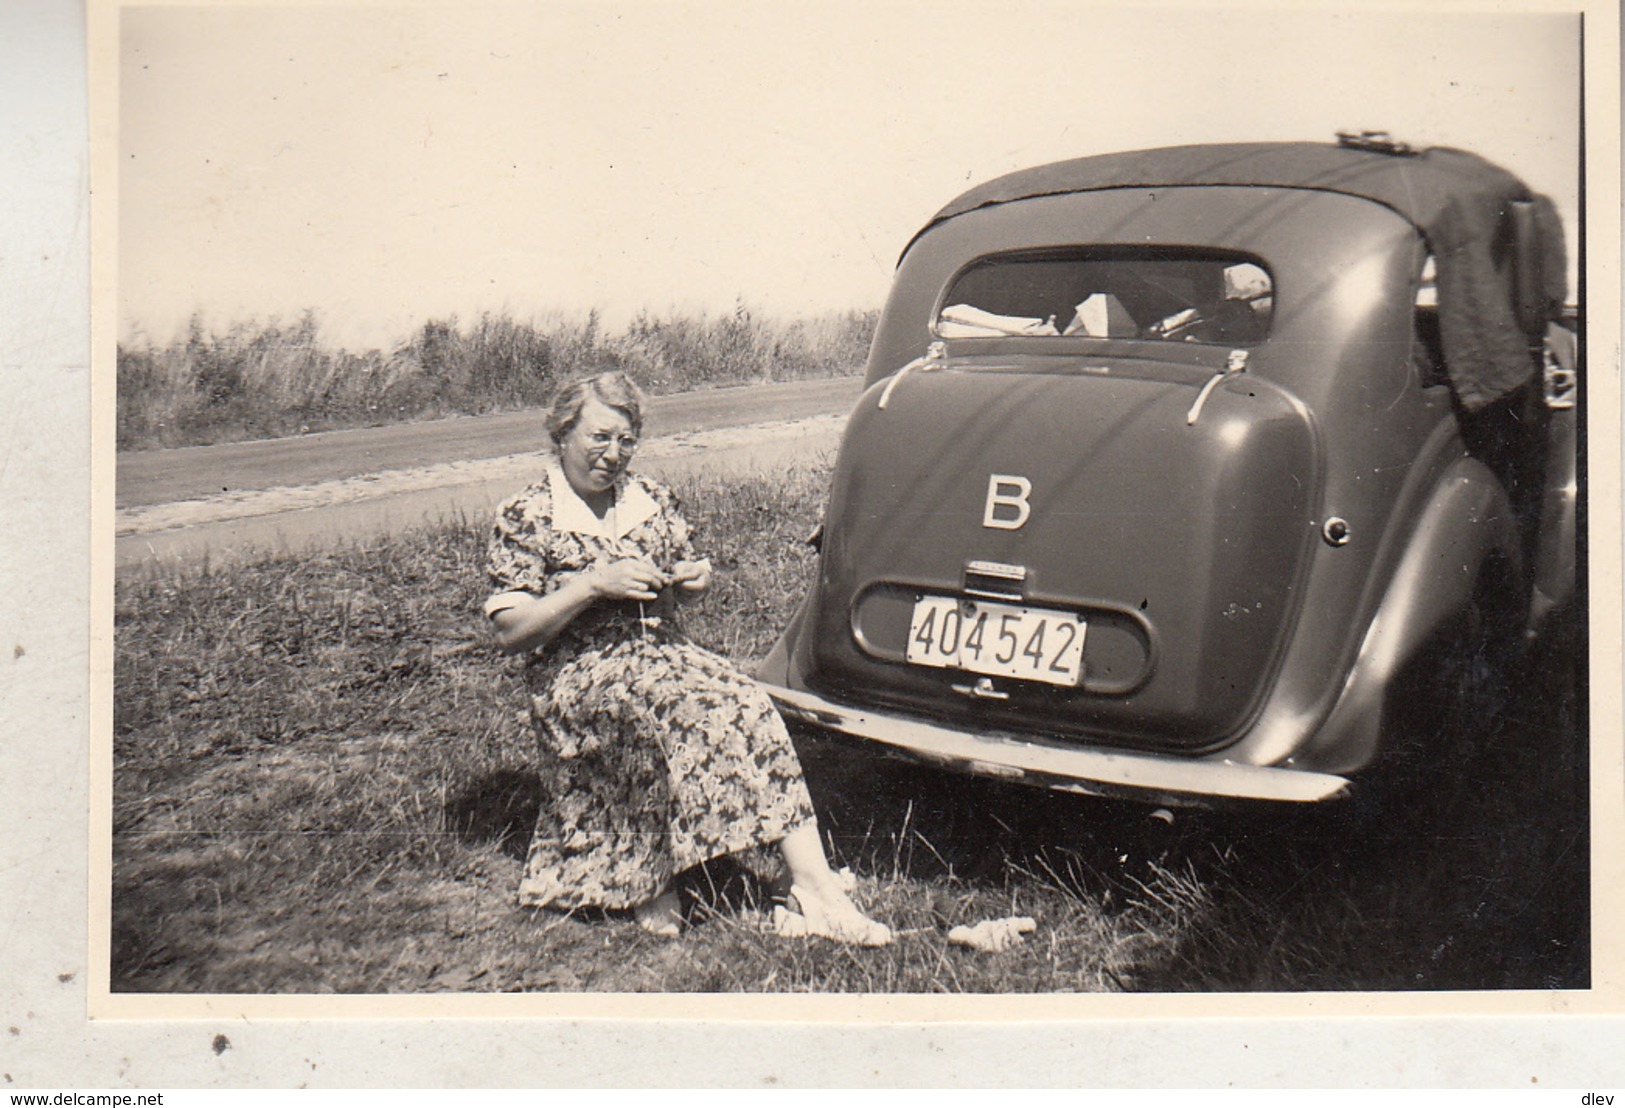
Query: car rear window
point(1161, 296)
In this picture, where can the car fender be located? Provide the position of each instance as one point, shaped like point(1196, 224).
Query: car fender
point(1467, 521)
point(775, 668)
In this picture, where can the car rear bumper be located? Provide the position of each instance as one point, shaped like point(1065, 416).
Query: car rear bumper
point(1146, 777)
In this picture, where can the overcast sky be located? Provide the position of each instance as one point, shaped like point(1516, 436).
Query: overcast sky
point(384, 165)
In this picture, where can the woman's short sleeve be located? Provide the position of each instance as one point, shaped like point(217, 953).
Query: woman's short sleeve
point(516, 559)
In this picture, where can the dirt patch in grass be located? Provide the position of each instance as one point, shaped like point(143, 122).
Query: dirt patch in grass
point(323, 785)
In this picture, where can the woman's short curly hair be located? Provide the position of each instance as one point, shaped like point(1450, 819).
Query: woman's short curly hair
point(613, 389)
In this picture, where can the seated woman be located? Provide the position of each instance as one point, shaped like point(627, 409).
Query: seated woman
point(656, 755)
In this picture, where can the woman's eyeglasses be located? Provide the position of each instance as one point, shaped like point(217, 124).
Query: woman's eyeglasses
point(599, 441)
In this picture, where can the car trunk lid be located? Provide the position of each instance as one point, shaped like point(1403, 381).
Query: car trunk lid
point(1175, 532)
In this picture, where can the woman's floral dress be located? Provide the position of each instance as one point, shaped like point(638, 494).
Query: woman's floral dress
point(655, 754)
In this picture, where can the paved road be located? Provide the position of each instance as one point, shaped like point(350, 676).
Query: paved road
point(238, 501)
point(187, 473)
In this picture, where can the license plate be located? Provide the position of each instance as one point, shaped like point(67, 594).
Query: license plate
point(1000, 640)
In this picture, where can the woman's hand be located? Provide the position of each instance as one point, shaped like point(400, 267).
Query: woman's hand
point(534, 621)
point(692, 577)
point(628, 579)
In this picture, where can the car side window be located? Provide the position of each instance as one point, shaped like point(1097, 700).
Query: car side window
point(1153, 294)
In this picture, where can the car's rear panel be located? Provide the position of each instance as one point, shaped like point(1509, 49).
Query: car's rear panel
point(1178, 544)
point(1191, 547)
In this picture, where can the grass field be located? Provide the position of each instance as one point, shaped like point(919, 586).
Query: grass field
point(323, 784)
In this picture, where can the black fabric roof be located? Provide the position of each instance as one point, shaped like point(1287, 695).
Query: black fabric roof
point(1457, 200)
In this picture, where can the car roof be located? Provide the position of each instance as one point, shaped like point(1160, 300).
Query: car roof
point(1458, 201)
point(1423, 187)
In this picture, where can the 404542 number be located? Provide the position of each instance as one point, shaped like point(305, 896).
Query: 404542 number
point(999, 640)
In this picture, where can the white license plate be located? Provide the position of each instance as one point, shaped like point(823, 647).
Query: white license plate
point(1000, 640)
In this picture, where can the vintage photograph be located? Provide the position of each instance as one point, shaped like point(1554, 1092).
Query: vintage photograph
point(714, 499)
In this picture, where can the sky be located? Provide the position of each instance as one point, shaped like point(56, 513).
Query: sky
point(387, 164)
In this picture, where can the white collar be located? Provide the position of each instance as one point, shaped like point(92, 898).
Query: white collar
point(632, 507)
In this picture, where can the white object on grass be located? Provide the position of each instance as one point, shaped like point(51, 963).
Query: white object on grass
point(993, 935)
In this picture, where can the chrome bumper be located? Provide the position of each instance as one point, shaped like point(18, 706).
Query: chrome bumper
point(1146, 777)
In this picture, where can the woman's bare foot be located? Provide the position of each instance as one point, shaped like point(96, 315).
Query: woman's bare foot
point(662, 916)
point(826, 910)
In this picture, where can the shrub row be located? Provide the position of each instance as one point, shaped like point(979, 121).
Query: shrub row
point(259, 380)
